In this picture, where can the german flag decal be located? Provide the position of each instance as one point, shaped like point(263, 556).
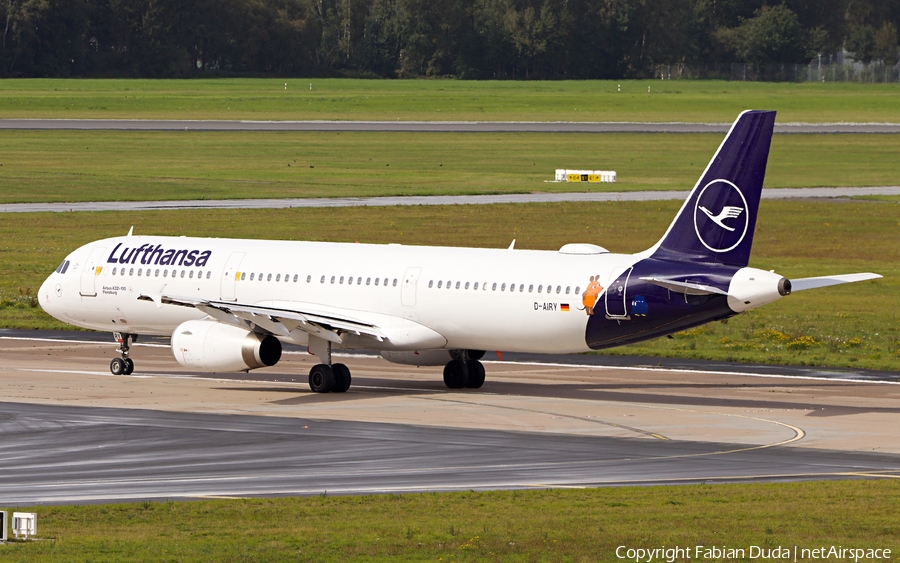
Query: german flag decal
point(564, 307)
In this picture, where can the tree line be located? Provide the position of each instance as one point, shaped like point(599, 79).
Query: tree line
point(469, 39)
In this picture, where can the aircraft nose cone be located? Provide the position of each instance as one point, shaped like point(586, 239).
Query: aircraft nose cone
point(47, 292)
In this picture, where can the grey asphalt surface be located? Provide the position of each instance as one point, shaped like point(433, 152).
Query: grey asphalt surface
point(429, 126)
point(773, 193)
point(57, 454)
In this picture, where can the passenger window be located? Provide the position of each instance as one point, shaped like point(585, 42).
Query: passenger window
point(296, 277)
point(475, 286)
point(567, 289)
point(358, 281)
point(182, 273)
point(342, 279)
point(494, 287)
point(332, 279)
point(430, 284)
point(269, 277)
point(251, 276)
point(503, 287)
point(309, 278)
point(350, 280)
point(243, 275)
point(558, 288)
point(577, 290)
point(530, 288)
point(323, 280)
point(457, 285)
point(369, 281)
point(395, 282)
point(191, 275)
point(114, 271)
point(540, 288)
point(277, 278)
point(440, 284)
point(521, 287)
point(156, 274)
point(140, 270)
point(208, 274)
point(131, 272)
point(512, 287)
point(376, 281)
point(467, 285)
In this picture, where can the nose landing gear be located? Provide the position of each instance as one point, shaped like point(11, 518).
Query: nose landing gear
point(123, 365)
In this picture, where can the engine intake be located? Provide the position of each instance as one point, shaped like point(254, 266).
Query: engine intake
point(213, 346)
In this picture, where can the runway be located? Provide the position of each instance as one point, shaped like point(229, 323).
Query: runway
point(431, 126)
point(74, 433)
point(544, 197)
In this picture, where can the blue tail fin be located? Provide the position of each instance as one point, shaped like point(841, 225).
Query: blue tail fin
point(716, 222)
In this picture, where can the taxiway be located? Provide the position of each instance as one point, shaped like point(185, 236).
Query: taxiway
point(74, 433)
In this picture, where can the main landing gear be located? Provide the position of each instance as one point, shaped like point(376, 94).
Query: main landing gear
point(123, 365)
point(327, 377)
point(464, 370)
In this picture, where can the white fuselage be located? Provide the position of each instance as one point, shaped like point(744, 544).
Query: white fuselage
point(513, 300)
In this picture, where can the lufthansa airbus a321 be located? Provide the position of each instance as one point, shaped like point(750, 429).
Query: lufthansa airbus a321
point(229, 304)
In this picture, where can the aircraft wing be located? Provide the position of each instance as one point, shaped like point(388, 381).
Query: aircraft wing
point(279, 320)
point(825, 281)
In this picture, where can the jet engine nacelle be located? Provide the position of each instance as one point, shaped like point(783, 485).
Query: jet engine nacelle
point(751, 288)
point(213, 346)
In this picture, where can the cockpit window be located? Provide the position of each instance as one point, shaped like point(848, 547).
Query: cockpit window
point(61, 269)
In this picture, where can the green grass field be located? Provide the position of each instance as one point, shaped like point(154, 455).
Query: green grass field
point(550, 525)
point(267, 99)
point(856, 325)
point(115, 165)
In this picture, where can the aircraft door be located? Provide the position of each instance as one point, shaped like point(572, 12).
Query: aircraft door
point(617, 296)
point(90, 272)
point(408, 292)
point(229, 276)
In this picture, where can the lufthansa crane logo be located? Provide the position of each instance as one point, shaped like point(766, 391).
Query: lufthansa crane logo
point(720, 216)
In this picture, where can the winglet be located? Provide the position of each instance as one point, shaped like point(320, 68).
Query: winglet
point(512, 245)
point(131, 230)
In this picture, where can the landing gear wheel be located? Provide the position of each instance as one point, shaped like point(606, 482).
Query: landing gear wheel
point(456, 374)
point(321, 378)
point(476, 374)
point(123, 365)
point(341, 378)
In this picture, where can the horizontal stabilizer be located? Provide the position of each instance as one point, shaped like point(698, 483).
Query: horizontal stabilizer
point(825, 281)
point(685, 287)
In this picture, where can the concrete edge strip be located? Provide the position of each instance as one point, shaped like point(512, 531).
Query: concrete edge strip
point(388, 201)
point(492, 362)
